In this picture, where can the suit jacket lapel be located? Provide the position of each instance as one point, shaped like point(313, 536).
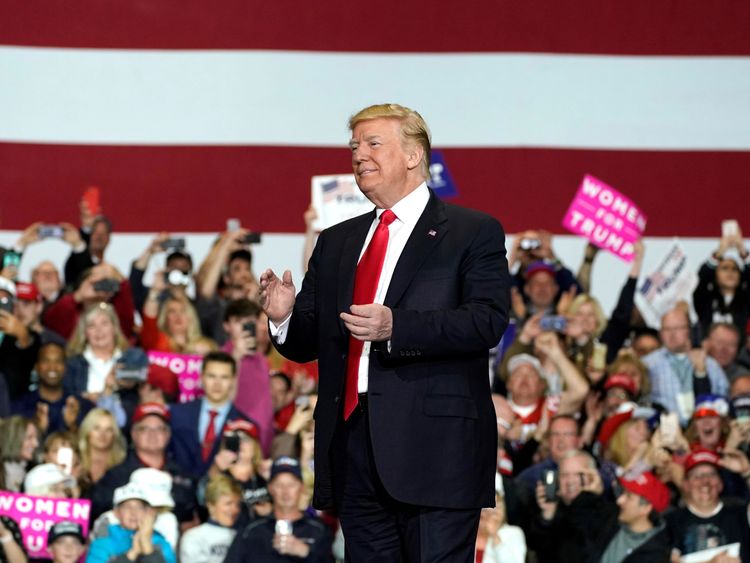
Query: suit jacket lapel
point(355, 239)
point(430, 228)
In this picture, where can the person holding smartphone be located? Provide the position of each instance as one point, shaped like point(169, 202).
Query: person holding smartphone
point(288, 534)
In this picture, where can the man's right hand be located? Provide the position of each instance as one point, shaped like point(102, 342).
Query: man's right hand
point(277, 295)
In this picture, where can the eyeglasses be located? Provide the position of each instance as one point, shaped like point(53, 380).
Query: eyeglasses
point(150, 429)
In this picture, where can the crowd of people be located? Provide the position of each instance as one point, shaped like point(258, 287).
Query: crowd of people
point(617, 442)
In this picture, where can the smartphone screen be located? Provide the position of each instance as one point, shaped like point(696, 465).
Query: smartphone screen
point(65, 459)
point(91, 197)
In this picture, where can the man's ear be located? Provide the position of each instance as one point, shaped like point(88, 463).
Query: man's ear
point(415, 154)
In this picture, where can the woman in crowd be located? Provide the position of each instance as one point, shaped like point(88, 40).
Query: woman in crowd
point(209, 542)
point(93, 352)
point(171, 324)
point(101, 446)
point(244, 467)
point(723, 291)
point(629, 443)
point(18, 446)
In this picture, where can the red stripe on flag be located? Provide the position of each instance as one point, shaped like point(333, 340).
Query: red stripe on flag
point(197, 188)
point(639, 27)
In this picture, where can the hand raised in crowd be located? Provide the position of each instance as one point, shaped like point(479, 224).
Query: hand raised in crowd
point(310, 217)
point(224, 459)
point(545, 252)
point(517, 303)
point(592, 481)
point(12, 326)
point(30, 235)
point(697, 357)
point(288, 544)
point(739, 432)
point(302, 416)
point(735, 461)
point(531, 329)
point(71, 235)
point(143, 538)
point(41, 417)
point(548, 344)
point(277, 295)
point(547, 507)
point(246, 344)
point(566, 298)
point(70, 413)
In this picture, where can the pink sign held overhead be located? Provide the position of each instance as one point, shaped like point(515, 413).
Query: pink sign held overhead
point(607, 218)
point(187, 368)
point(36, 515)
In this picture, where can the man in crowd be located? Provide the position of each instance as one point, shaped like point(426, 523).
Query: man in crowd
point(708, 521)
point(253, 381)
point(288, 534)
point(226, 275)
point(18, 347)
point(723, 345)
point(680, 373)
point(28, 308)
point(534, 246)
point(46, 278)
point(88, 250)
point(49, 405)
point(197, 426)
point(133, 539)
point(178, 260)
point(150, 435)
point(563, 437)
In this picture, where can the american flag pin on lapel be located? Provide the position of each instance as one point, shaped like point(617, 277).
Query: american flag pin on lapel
point(432, 232)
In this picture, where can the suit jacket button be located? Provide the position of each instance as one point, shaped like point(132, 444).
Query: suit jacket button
point(336, 399)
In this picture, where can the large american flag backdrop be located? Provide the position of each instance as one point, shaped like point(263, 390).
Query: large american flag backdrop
point(189, 112)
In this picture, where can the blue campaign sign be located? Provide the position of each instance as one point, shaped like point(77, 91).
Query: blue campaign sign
point(440, 177)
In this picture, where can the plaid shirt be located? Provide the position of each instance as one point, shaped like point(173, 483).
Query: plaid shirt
point(666, 385)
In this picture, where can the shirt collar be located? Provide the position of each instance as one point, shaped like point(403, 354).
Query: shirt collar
point(410, 208)
point(223, 411)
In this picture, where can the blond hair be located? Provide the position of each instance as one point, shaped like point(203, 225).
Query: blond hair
point(194, 334)
point(116, 453)
point(222, 485)
point(414, 129)
point(583, 299)
point(79, 341)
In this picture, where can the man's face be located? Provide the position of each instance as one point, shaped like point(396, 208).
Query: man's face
point(66, 549)
point(179, 263)
point(131, 512)
point(702, 486)
point(675, 332)
point(234, 326)
point(723, 345)
point(740, 386)
point(573, 473)
point(381, 165)
point(218, 381)
point(525, 385)
point(47, 279)
point(280, 393)
point(645, 344)
point(239, 273)
point(728, 275)
point(99, 238)
point(286, 490)
point(541, 289)
point(563, 437)
point(50, 365)
point(632, 508)
point(151, 435)
point(27, 311)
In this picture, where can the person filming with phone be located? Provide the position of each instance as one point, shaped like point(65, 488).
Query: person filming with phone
point(288, 533)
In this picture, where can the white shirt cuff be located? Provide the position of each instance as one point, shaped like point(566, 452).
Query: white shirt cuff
point(278, 333)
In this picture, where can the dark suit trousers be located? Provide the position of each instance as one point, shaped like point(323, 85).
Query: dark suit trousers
point(378, 528)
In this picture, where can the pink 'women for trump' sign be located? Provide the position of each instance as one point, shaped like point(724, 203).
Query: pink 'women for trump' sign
point(187, 368)
point(36, 515)
point(607, 218)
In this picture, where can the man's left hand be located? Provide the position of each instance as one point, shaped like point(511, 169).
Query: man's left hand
point(371, 322)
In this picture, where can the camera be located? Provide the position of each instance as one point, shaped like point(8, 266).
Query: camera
point(176, 277)
point(554, 323)
point(107, 285)
point(251, 238)
point(50, 231)
point(6, 304)
point(530, 244)
point(173, 244)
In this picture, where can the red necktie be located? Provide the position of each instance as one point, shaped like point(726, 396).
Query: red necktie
point(365, 285)
point(210, 436)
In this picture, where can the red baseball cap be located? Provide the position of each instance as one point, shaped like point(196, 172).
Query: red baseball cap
point(539, 266)
point(620, 380)
point(27, 291)
point(146, 409)
point(240, 425)
point(163, 378)
point(701, 456)
point(646, 485)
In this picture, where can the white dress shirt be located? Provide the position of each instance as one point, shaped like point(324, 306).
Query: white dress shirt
point(407, 211)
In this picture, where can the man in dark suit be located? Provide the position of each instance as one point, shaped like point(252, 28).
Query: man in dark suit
point(400, 307)
point(197, 426)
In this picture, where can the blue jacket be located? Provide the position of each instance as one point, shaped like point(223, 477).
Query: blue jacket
point(118, 542)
